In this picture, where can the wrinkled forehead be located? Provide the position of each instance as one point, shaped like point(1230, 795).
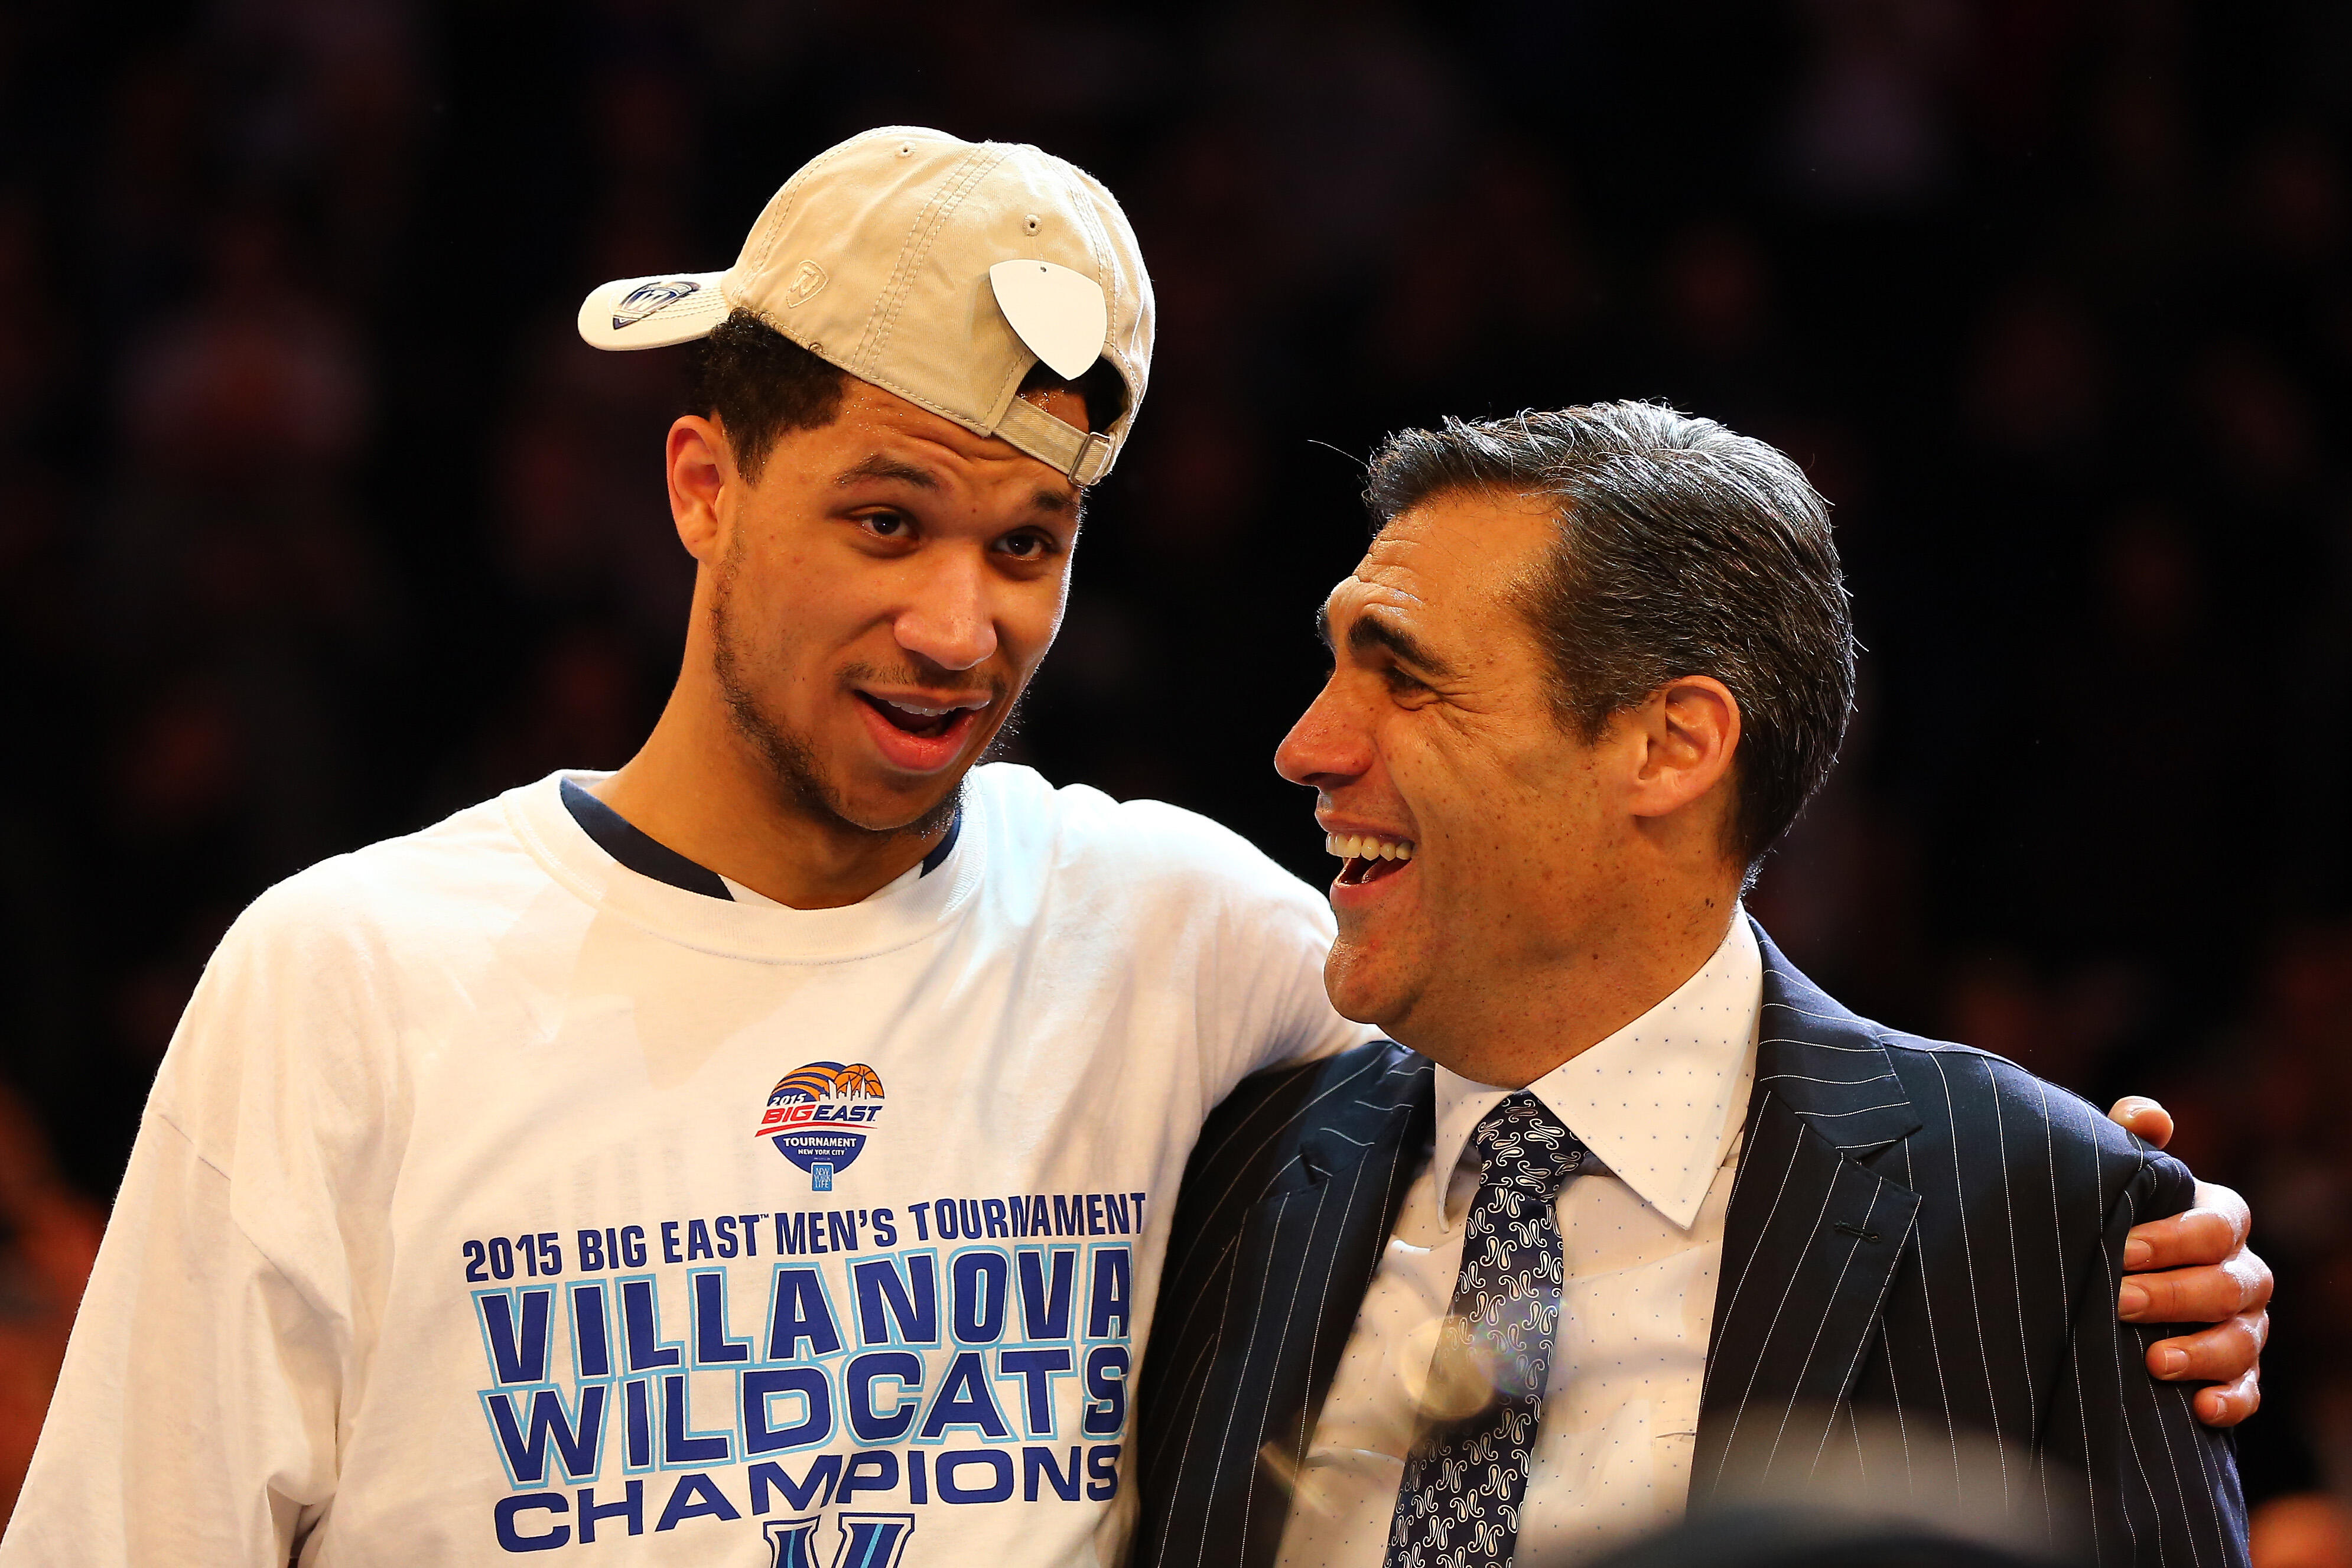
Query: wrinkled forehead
point(1454, 556)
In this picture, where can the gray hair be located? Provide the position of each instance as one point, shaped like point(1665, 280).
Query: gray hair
point(1683, 549)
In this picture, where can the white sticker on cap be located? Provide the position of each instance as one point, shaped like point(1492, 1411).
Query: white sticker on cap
point(1062, 315)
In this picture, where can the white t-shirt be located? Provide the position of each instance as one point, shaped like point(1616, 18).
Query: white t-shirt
point(495, 1198)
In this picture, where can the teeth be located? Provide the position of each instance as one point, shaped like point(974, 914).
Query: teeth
point(1366, 846)
point(925, 710)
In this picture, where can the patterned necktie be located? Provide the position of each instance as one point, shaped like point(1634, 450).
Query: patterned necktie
point(1459, 1505)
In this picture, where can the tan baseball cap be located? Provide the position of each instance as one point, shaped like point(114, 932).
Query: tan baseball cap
point(937, 268)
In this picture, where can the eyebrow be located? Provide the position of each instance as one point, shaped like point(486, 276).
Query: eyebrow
point(1369, 631)
point(879, 466)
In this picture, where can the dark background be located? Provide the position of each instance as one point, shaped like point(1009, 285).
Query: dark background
point(317, 521)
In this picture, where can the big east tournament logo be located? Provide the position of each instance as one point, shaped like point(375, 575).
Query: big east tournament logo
point(818, 1117)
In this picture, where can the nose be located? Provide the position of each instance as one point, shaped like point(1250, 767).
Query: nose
point(951, 620)
point(1329, 746)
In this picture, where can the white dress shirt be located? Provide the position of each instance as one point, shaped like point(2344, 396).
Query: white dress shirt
point(1659, 1104)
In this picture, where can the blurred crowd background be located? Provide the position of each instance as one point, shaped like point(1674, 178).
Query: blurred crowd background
point(318, 521)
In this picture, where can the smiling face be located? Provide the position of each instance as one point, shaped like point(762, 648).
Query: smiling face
point(878, 600)
point(1435, 734)
point(1509, 862)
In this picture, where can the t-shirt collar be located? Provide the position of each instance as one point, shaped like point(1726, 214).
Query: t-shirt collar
point(910, 910)
point(1659, 1103)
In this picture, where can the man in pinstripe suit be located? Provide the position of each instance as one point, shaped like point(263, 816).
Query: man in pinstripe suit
point(1633, 1215)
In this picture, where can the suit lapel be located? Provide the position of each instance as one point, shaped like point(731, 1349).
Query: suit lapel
point(1811, 1242)
point(1307, 1252)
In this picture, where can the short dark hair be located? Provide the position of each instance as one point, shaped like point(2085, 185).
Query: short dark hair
point(759, 386)
point(1683, 549)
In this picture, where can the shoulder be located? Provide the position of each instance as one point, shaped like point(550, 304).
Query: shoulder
point(1995, 1116)
point(1146, 849)
point(1378, 1069)
point(1275, 1108)
point(293, 1037)
point(416, 884)
point(1978, 1116)
point(1974, 1085)
point(1263, 1135)
point(337, 950)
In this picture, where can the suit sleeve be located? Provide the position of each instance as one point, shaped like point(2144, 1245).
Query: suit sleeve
point(2162, 1487)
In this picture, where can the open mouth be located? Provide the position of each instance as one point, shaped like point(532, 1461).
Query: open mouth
point(1370, 857)
point(926, 720)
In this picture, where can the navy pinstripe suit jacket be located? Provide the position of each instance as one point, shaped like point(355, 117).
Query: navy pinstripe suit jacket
point(1922, 1233)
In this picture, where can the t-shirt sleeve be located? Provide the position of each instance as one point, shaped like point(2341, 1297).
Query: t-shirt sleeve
point(195, 1418)
point(1279, 932)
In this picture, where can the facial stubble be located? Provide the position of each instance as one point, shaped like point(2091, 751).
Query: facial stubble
point(790, 756)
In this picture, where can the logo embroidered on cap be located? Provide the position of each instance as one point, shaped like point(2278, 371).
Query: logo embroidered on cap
point(805, 283)
point(649, 298)
point(818, 1117)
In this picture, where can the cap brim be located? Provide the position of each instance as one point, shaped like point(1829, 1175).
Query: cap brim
point(653, 312)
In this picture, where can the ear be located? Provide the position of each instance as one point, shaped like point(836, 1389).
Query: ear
point(1690, 730)
point(701, 467)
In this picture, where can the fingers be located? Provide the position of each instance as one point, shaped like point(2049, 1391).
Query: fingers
point(2136, 1114)
point(2223, 1354)
point(2200, 1295)
point(2207, 1276)
point(2227, 1403)
point(2212, 1227)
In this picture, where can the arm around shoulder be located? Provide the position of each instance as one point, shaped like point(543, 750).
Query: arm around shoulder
point(2163, 1486)
point(1271, 935)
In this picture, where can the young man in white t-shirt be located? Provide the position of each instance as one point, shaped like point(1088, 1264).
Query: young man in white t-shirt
point(760, 1154)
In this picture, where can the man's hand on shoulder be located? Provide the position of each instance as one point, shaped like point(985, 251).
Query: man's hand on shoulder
point(2199, 1271)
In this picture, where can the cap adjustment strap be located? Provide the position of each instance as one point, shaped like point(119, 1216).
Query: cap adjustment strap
point(1083, 455)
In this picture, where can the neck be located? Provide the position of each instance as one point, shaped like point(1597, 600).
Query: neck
point(1529, 1021)
point(699, 787)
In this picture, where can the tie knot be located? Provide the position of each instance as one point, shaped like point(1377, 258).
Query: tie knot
point(1523, 1146)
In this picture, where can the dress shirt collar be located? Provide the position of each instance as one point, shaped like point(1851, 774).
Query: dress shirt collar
point(1659, 1102)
